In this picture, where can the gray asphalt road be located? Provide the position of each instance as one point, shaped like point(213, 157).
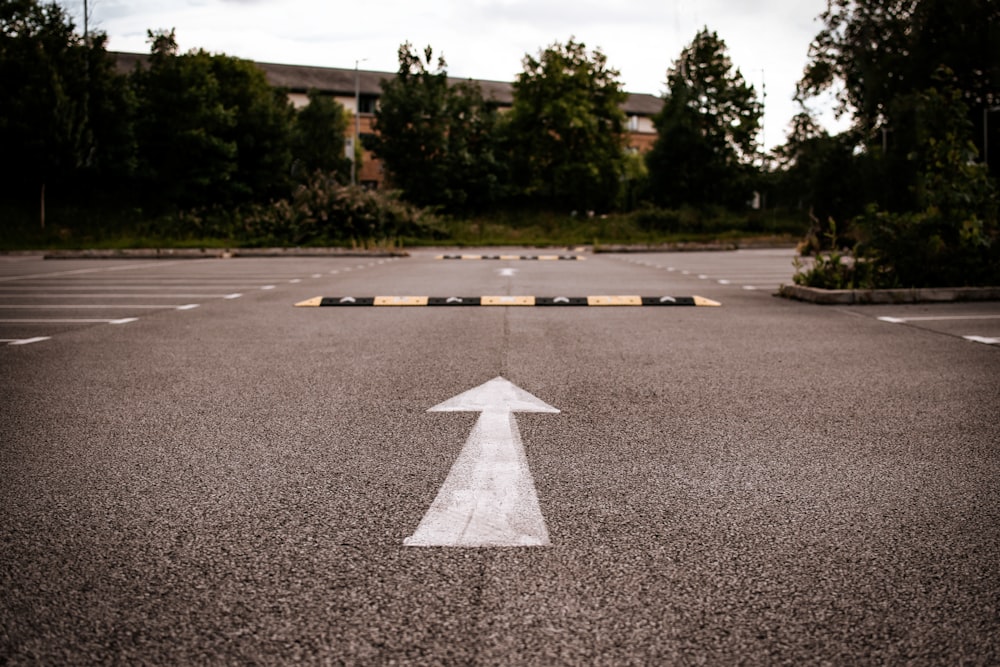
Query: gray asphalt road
point(196, 472)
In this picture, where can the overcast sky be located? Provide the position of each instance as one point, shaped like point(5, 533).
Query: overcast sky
point(484, 39)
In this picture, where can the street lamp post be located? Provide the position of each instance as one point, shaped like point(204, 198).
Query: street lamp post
point(357, 122)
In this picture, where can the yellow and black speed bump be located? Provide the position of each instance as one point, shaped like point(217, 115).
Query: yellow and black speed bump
point(554, 301)
point(515, 257)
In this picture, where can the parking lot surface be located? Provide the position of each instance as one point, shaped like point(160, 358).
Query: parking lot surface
point(196, 471)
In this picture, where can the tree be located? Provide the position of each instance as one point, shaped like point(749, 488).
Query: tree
point(437, 139)
point(566, 128)
point(873, 52)
point(707, 130)
point(318, 138)
point(820, 173)
point(210, 129)
point(64, 114)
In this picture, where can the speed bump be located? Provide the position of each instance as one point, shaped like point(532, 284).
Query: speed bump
point(606, 300)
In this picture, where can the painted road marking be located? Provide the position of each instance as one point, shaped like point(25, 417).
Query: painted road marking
point(983, 339)
point(101, 307)
point(118, 296)
point(489, 497)
point(508, 301)
point(941, 318)
point(55, 274)
point(507, 273)
point(515, 257)
point(24, 341)
point(124, 320)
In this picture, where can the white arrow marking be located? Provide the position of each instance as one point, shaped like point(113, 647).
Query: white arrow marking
point(488, 498)
point(507, 272)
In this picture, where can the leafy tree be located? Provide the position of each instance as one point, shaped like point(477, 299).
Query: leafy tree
point(953, 236)
point(437, 139)
point(707, 130)
point(318, 138)
point(64, 113)
point(820, 173)
point(566, 128)
point(210, 130)
point(873, 52)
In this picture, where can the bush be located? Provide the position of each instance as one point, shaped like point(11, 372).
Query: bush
point(322, 211)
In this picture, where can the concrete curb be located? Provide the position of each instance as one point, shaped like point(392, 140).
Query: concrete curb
point(219, 253)
point(828, 297)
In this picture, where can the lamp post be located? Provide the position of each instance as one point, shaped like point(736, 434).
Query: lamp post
point(986, 136)
point(357, 122)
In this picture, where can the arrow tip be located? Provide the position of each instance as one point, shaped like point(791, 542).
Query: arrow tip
point(497, 394)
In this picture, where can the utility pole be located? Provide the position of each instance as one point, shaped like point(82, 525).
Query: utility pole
point(357, 122)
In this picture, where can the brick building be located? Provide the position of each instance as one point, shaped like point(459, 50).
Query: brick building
point(348, 85)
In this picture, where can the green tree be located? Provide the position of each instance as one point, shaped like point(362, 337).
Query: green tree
point(707, 130)
point(210, 129)
point(566, 129)
point(63, 110)
point(437, 138)
point(318, 138)
point(952, 236)
point(874, 52)
point(820, 173)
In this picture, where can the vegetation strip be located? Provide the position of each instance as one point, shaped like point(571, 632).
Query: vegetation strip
point(515, 257)
point(556, 301)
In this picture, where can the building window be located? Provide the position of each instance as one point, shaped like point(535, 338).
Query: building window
point(366, 103)
point(633, 123)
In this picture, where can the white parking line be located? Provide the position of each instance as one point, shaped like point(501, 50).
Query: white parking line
point(24, 341)
point(900, 320)
point(80, 271)
point(117, 296)
point(124, 320)
point(983, 339)
point(102, 307)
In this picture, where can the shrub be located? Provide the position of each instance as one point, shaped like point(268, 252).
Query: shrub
point(321, 211)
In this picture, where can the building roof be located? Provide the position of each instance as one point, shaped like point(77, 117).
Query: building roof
point(341, 82)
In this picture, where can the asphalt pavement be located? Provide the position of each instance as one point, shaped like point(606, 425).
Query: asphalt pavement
point(195, 471)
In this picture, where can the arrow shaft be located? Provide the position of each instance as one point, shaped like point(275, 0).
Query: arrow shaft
point(488, 498)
